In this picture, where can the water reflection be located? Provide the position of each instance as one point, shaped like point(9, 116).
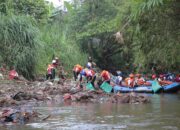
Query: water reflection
point(162, 114)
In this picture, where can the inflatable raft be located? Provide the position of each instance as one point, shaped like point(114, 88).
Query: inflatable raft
point(143, 89)
point(174, 87)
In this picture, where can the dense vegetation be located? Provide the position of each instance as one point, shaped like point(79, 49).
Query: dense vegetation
point(131, 35)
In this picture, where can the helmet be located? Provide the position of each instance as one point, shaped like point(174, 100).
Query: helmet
point(119, 73)
point(154, 76)
point(131, 75)
point(90, 59)
point(53, 61)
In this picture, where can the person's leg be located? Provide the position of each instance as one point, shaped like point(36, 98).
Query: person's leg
point(53, 73)
point(47, 76)
point(51, 76)
point(75, 75)
point(93, 80)
point(80, 79)
point(108, 81)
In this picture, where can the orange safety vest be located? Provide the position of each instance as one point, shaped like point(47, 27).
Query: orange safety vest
point(90, 73)
point(140, 81)
point(129, 82)
point(77, 68)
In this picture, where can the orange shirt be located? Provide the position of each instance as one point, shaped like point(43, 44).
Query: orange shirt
point(105, 75)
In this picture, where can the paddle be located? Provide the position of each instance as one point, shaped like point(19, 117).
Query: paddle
point(155, 86)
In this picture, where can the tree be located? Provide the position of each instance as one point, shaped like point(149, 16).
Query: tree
point(157, 35)
point(37, 9)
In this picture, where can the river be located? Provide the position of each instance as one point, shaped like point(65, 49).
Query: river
point(163, 113)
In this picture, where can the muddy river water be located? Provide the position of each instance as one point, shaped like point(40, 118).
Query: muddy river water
point(163, 113)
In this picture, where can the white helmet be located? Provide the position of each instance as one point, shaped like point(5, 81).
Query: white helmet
point(53, 61)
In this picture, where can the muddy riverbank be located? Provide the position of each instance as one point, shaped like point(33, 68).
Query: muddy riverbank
point(16, 97)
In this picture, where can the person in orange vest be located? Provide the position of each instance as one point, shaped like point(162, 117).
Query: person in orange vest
point(105, 75)
point(76, 71)
point(139, 80)
point(51, 71)
point(130, 81)
point(90, 75)
point(13, 74)
point(162, 80)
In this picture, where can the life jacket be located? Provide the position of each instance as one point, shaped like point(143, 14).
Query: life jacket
point(77, 68)
point(49, 69)
point(13, 74)
point(140, 81)
point(90, 73)
point(105, 75)
point(130, 82)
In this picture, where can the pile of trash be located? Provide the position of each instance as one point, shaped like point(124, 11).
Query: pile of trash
point(16, 94)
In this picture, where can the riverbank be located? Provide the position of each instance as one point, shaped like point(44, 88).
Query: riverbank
point(14, 94)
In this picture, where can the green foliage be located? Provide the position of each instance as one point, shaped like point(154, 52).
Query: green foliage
point(157, 35)
point(38, 9)
point(92, 25)
point(148, 34)
point(148, 28)
point(18, 43)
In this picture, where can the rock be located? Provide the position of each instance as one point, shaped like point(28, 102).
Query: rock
point(7, 102)
point(17, 116)
point(49, 83)
point(67, 96)
point(22, 96)
point(2, 92)
point(83, 97)
point(131, 98)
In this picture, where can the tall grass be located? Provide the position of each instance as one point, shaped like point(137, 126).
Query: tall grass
point(57, 44)
point(18, 43)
